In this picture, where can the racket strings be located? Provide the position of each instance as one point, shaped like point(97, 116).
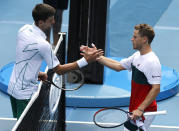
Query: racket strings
point(69, 81)
point(110, 118)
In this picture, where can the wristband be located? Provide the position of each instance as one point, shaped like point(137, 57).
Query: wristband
point(140, 110)
point(82, 62)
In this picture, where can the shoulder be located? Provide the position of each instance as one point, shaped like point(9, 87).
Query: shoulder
point(24, 28)
point(136, 54)
point(44, 46)
point(152, 61)
point(153, 58)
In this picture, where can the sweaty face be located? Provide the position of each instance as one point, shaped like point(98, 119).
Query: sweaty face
point(48, 24)
point(137, 40)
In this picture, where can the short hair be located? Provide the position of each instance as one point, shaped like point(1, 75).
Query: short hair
point(42, 12)
point(146, 30)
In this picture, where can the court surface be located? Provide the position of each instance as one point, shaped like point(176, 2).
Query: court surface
point(164, 19)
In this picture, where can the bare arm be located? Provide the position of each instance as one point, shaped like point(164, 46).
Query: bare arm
point(151, 96)
point(115, 65)
point(62, 69)
point(90, 56)
point(148, 100)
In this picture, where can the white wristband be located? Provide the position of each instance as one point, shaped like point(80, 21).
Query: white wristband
point(82, 62)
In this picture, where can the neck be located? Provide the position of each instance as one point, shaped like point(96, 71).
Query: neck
point(145, 49)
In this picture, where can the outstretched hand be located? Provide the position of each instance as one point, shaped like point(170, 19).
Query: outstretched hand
point(91, 54)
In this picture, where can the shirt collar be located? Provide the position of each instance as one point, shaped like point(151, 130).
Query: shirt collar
point(39, 31)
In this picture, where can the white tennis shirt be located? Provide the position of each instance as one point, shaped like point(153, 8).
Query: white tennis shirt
point(31, 49)
point(149, 64)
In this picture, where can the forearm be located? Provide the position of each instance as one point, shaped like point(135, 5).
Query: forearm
point(115, 65)
point(62, 69)
point(150, 97)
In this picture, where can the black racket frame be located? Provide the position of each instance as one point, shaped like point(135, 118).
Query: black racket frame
point(63, 84)
point(107, 108)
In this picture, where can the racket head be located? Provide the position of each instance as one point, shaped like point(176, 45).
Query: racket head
point(110, 117)
point(71, 81)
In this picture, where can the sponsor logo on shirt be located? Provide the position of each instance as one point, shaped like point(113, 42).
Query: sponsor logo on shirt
point(155, 76)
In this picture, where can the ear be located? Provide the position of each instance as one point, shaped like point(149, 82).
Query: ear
point(145, 38)
point(40, 22)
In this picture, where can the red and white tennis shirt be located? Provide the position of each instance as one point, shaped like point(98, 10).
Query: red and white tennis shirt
point(146, 70)
point(31, 49)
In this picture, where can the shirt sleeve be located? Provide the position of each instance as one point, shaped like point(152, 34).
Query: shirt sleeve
point(47, 53)
point(126, 63)
point(153, 73)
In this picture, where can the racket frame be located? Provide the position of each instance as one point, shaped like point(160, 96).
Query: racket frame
point(63, 84)
point(108, 108)
point(128, 114)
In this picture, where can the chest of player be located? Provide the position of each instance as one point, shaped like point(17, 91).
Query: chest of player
point(138, 75)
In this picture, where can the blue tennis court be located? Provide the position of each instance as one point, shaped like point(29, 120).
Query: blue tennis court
point(162, 15)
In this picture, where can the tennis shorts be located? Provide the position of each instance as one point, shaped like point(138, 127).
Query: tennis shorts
point(145, 126)
point(18, 106)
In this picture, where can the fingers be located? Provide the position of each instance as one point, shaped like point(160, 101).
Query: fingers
point(93, 45)
point(82, 54)
point(86, 48)
point(136, 115)
point(91, 54)
point(43, 76)
point(83, 48)
point(99, 52)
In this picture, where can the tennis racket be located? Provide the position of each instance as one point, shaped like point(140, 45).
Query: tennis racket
point(114, 117)
point(70, 81)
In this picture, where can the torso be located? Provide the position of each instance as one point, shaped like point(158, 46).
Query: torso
point(31, 50)
point(146, 70)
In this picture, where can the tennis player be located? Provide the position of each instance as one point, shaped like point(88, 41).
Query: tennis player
point(31, 49)
point(146, 74)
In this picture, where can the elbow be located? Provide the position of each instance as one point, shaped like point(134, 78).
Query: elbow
point(119, 68)
point(157, 90)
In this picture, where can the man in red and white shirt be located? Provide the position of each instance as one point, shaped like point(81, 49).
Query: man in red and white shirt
point(146, 74)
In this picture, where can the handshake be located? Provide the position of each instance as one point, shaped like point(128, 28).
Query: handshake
point(89, 55)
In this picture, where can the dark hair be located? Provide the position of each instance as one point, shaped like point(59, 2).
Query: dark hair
point(42, 12)
point(146, 30)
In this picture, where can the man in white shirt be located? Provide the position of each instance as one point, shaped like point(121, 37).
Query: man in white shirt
point(146, 74)
point(31, 49)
